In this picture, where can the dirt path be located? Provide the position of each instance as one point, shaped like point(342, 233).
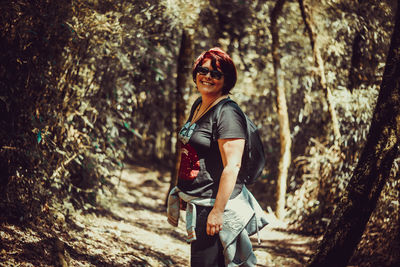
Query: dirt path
point(130, 229)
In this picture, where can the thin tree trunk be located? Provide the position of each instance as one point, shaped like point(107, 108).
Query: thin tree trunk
point(183, 73)
point(373, 168)
point(310, 27)
point(283, 117)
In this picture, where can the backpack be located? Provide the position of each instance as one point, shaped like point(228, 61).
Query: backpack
point(253, 160)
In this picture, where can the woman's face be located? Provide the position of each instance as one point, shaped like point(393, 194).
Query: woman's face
point(206, 84)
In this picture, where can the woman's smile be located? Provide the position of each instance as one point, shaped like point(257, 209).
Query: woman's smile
point(207, 83)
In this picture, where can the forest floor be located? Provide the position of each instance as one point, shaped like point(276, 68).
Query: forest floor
point(130, 229)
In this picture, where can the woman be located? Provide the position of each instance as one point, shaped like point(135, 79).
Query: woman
point(212, 145)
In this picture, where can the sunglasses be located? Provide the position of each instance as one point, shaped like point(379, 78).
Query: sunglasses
point(215, 74)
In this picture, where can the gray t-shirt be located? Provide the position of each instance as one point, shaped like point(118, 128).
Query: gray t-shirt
point(201, 163)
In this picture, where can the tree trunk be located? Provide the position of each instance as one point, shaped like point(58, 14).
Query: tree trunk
point(306, 13)
point(183, 73)
point(373, 168)
point(283, 117)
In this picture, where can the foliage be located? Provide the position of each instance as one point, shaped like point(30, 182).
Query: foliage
point(91, 77)
point(33, 37)
point(88, 86)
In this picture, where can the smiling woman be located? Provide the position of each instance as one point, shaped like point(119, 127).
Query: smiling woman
point(220, 212)
point(219, 61)
point(215, 75)
point(208, 80)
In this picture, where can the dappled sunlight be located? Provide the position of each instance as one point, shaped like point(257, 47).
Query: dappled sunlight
point(131, 231)
point(95, 92)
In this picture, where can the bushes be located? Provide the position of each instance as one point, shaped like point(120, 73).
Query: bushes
point(32, 41)
point(83, 84)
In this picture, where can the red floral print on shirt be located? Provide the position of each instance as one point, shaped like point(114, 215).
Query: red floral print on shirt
point(190, 164)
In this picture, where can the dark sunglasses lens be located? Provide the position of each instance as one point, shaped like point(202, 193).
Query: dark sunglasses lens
point(216, 74)
point(202, 71)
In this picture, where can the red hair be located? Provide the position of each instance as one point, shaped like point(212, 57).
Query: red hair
point(224, 62)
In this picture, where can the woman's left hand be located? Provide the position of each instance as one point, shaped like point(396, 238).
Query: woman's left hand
point(214, 222)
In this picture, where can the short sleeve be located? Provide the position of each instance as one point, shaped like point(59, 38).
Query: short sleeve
point(231, 122)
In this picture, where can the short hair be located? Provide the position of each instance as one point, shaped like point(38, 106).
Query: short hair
point(217, 55)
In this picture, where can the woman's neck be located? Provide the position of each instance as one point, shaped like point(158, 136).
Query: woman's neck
point(209, 99)
point(206, 104)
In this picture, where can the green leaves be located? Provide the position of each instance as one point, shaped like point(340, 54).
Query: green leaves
point(126, 125)
point(39, 136)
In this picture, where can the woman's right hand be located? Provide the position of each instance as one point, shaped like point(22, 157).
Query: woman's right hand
point(214, 222)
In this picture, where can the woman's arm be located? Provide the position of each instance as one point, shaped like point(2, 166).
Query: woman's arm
point(231, 153)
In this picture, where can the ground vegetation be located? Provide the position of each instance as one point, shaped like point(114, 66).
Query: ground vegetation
point(89, 87)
